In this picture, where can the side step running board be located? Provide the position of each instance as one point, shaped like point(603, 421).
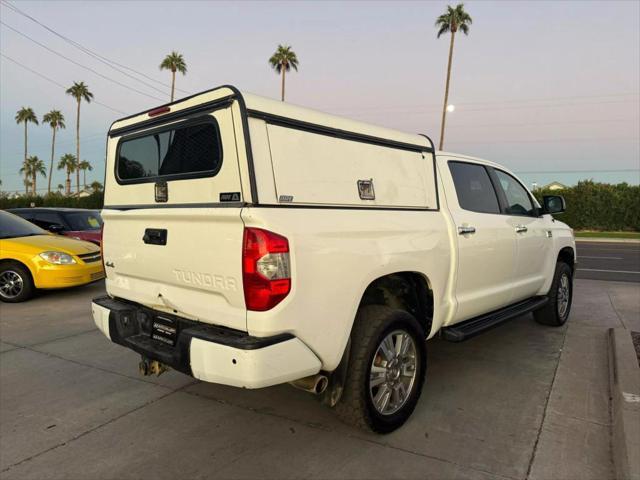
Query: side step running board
point(469, 328)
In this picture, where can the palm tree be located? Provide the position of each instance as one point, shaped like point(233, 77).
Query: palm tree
point(96, 187)
point(60, 187)
point(80, 92)
point(26, 115)
point(452, 20)
point(32, 167)
point(68, 164)
point(174, 62)
point(283, 60)
point(84, 166)
point(55, 119)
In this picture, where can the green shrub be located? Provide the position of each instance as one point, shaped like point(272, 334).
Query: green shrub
point(590, 205)
point(93, 201)
point(599, 206)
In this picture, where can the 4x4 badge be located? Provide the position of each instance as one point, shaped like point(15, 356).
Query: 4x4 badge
point(230, 197)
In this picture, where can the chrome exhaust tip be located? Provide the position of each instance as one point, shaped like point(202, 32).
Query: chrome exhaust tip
point(315, 384)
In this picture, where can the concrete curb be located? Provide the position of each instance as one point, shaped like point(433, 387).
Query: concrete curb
point(624, 381)
point(607, 240)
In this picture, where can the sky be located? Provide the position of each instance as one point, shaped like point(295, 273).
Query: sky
point(550, 89)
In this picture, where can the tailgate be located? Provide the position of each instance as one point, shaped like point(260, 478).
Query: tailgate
point(173, 234)
point(196, 274)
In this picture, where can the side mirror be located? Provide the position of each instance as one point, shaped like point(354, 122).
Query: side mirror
point(55, 228)
point(553, 204)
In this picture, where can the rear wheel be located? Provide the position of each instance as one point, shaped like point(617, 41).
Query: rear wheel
point(386, 369)
point(556, 312)
point(16, 284)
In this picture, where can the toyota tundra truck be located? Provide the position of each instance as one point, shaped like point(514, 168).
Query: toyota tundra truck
point(250, 242)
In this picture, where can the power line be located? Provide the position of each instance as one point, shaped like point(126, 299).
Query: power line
point(492, 102)
point(110, 63)
point(79, 64)
point(422, 111)
point(529, 124)
point(621, 170)
point(546, 140)
point(55, 82)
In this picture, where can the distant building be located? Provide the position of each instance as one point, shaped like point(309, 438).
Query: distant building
point(83, 193)
point(554, 186)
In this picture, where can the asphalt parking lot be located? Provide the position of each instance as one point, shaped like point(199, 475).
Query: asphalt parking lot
point(521, 401)
point(609, 261)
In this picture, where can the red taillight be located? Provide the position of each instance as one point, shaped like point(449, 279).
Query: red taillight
point(265, 269)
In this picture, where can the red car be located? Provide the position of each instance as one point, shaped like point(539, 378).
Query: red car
point(73, 222)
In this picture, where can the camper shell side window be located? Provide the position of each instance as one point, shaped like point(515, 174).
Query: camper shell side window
point(189, 149)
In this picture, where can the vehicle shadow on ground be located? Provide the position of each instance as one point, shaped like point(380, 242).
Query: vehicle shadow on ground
point(483, 399)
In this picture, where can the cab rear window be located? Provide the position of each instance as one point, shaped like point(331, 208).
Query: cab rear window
point(188, 150)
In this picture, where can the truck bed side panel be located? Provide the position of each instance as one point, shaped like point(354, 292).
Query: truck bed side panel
point(335, 255)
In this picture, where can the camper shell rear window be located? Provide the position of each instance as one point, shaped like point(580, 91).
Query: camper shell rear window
point(190, 149)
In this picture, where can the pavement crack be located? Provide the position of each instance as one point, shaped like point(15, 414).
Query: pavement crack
point(546, 407)
point(324, 428)
point(105, 370)
point(615, 310)
point(49, 341)
point(86, 432)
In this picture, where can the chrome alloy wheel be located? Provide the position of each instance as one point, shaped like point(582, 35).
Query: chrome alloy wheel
point(11, 284)
point(564, 294)
point(393, 372)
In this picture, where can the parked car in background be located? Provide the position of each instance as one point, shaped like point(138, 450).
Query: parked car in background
point(32, 258)
point(73, 222)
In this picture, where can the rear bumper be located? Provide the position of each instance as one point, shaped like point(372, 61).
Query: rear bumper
point(207, 352)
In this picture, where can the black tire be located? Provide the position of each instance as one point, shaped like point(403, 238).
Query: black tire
point(372, 325)
point(22, 288)
point(553, 313)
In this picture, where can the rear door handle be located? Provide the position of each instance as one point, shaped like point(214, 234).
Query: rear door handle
point(155, 236)
point(466, 230)
point(521, 229)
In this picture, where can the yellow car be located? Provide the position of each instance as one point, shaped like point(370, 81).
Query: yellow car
point(32, 258)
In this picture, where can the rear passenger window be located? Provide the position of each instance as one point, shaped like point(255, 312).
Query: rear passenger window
point(184, 151)
point(474, 188)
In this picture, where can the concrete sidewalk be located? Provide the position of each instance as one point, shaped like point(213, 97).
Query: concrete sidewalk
point(575, 441)
point(521, 401)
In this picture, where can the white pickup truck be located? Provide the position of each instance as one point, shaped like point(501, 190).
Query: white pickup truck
point(250, 242)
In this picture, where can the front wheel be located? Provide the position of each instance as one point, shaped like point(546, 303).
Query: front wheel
point(556, 312)
point(16, 284)
point(386, 369)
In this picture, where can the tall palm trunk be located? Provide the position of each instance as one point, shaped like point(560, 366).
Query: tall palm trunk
point(78, 148)
point(173, 82)
point(282, 84)
point(84, 178)
point(68, 183)
point(53, 147)
point(26, 175)
point(446, 91)
point(33, 182)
